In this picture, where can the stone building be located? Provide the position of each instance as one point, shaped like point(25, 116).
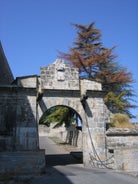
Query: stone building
point(6, 76)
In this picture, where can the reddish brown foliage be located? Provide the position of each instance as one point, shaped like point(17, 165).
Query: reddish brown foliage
point(97, 62)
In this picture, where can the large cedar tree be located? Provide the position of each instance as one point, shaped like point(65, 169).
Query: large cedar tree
point(95, 62)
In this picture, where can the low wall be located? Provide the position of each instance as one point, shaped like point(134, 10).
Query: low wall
point(122, 144)
point(127, 160)
point(20, 163)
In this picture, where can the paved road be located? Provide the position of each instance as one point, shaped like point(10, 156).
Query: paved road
point(64, 169)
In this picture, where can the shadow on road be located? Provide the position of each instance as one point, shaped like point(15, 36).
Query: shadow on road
point(55, 175)
point(52, 176)
point(64, 159)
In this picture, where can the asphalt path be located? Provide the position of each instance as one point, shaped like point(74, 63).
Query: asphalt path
point(63, 168)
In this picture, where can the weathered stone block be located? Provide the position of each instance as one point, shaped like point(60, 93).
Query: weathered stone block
point(60, 76)
point(26, 138)
point(27, 81)
point(126, 159)
point(21, 163)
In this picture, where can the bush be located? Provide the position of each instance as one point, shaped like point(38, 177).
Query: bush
point(119, 120)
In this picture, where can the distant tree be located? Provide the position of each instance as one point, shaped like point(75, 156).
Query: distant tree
point(95, 62)
point(60, 115)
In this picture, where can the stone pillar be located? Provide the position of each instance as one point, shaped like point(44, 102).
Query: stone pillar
point(94, 133)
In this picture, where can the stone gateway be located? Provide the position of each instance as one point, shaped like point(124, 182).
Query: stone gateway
point(24, 101)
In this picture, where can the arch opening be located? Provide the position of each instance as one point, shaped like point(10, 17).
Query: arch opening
point(61, 125)
point(61, 114)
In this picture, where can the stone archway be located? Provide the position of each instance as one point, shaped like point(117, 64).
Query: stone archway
point(23, 100)
point(60, 85)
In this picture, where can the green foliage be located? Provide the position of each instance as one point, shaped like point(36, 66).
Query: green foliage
point(114, 101)
point(119, 120)
point(60, 114)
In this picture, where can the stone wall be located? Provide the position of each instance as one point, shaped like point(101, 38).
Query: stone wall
point(7, 109)
point(122, 144)
point(22, 163)
point(26, 123)
point(19, 146)
point(8, 103)
point(59, 76)
point(18, 115)
point(27, 81)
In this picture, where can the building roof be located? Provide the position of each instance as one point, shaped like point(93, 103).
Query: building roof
point(6, 76)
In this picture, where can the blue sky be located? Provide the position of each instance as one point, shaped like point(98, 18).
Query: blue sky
point(33, 31)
